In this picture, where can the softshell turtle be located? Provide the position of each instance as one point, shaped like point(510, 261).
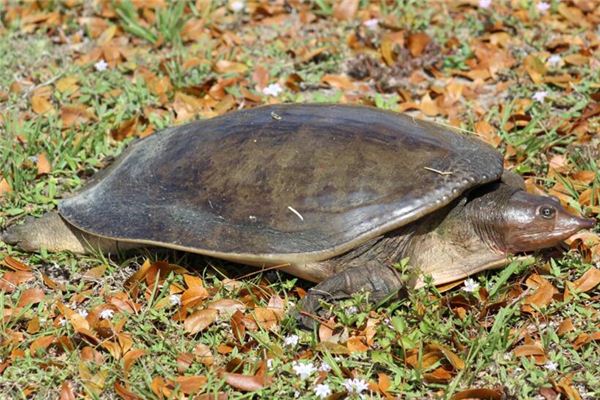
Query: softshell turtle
point(336, 194)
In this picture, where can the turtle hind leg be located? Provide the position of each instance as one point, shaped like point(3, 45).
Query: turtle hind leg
point(53, 233)
point(376, 278)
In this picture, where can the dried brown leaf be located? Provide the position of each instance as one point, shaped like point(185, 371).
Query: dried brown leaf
point(200, 320)
point(417, 42)
point(67, 391)
point(123, 391)
point(95, 273)
point(450, 355)
point(191, 384)
point(531, 350)
point(439, 375)
point(341, 82)
point(129, 358)
point(345, 10)
point(41, 105)
point(41, 343)
point(588, 281)
point(542, 296)
point(265, 317)
point(565, 327)
point(355, 344)
point(246, 383)
point(4, 187)
point(225, 67)
point(481, 393)
point(203, 354)
point(535, 68)
point(43, 165)
point(31, 296)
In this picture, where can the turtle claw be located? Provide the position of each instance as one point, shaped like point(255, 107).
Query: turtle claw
point(379, 280)
point(311, 311)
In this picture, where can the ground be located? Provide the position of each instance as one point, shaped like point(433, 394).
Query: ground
point(80, 79)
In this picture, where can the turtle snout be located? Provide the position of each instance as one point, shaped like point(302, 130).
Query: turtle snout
point(586, 223)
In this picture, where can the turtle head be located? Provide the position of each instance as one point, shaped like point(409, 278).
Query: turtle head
point(532, 222)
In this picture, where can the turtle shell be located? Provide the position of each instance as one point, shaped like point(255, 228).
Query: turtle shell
point(282, 183)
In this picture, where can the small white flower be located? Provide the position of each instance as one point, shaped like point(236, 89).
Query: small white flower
point(325, 367)
point(62, 322)
point(175, 299)
point(485, 3)
point(107, 314)
point(83, 312)
point(296, 394)
point(291, 340)
point(238, 6)
point(371, 24)
point(351, 310)
point(540, 96)
point(542, 7)
point(356, 385)
point(554, 60)
point(551, 366)
point(303, 370)
point(270, 363)
point(471, 286)
point(101, 65)
point(274, 89)
point(322, 390)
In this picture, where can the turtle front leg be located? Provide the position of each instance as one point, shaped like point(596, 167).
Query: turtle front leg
point(378, 279)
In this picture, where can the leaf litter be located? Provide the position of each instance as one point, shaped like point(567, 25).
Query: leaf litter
point(411, 59)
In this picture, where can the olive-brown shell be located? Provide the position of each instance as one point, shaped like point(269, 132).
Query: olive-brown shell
point(282, 183)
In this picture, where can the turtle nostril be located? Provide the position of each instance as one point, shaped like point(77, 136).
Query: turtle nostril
point(586, 223)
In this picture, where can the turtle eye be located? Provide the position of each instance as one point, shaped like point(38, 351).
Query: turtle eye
point(546, 212)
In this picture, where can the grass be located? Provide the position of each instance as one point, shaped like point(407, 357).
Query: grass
point(481, 328)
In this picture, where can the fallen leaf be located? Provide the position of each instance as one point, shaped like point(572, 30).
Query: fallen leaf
point(535, 68)
point(439, 375)
point(43, 165)
point(191, 384)
point(41, 105)
point(531, 350)
point(417, 42)
point(341, 82)
point(124, 392)
point(542, 296)
point(589, 280)
point(483, 394)
point(585, 338)
point(31, 296)
point(126, 129)
point(345, 10)
point(576, 59)
point(265, 318)
point(355, 344)
point(454, 359)
point(67, 85)
point(66, 391)
point(200, 320)
point(4, 187)
point(565, 327)
point(245, 383)
point(41, 343)
point(260, 76)
point(488, 133)
point(129, 358)
point(226, 67)
point(75, 114)
point(95, 273)
point(203, 354)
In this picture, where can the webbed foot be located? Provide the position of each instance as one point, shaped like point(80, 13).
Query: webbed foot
point(379, 280)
